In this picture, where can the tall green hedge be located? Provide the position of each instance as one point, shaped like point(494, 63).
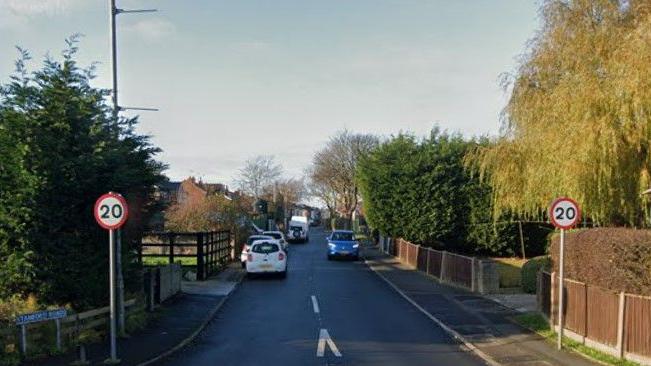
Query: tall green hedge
point(420, 190)
point(60, 149)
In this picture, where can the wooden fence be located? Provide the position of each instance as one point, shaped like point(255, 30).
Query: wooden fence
point(206, 252)
point(613, 322)
point(468, 272)
point(72, 327)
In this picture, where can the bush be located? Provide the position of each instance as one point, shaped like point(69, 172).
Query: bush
point(614, 258)
point(530, 270)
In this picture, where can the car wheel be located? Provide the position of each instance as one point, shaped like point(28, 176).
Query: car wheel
point(283, 274)
point(243, 264)
point(356, 258)
point(250, 275)
point(329, 257)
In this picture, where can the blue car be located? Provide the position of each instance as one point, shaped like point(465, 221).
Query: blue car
point(342, 244)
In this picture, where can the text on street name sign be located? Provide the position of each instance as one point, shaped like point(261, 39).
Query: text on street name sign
point(41, 316)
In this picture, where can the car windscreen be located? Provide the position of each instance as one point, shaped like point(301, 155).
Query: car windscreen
point(342, 237)
point(274, 235)
point(265, 248)
point(251, 239)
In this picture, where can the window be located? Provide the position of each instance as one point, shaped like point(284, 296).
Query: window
point(265, 248)
point(275, 235)
point(251, 239)
point(342, 236)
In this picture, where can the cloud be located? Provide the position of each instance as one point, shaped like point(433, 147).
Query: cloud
point(17, 13)
point(152, 30)
point(29, 8)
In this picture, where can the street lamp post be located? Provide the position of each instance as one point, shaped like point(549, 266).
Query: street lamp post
point(114, 11)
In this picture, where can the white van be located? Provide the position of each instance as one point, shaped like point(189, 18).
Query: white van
point(299, 229)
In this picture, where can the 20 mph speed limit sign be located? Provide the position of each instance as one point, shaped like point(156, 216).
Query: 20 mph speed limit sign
point(564, 213)
point(111, 211)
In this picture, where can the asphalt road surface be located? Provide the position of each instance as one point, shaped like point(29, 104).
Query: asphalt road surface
point(323, 313)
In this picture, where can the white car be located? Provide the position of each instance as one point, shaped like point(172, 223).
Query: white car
point(266, 257)
point(247, 246)
point(278, 235)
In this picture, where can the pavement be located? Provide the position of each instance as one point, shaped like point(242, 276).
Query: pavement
point(174, 324)
point(323, 313)
point(479, 322)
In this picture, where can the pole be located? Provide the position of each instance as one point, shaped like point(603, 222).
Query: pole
point(113, 358)
point(560, 291)
point(524, 256)
point(58, 325)
point(120, 297)
point(116, 109)
point(114, 61)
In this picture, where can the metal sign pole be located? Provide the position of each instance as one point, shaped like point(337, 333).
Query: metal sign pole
point(120, 284)
point(112, 295)
point(560, 291)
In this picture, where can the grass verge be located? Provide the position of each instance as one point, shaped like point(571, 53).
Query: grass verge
point(538, 324)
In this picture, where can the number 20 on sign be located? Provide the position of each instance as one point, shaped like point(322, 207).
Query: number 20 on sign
point(564, 213)
point(111, 212)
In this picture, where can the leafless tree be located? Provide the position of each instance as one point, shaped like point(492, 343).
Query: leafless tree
point(334, 168)
point(258, 172)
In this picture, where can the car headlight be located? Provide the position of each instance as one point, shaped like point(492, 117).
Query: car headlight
point(331, 246)
point(355, 246)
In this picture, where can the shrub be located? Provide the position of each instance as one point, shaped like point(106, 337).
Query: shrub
point(529, 271)
point(615, 258)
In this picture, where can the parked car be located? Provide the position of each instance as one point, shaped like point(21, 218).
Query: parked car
point(247, 246)
point(299, 229)
point(266, 257)
point(342, 243)
point(278, 235)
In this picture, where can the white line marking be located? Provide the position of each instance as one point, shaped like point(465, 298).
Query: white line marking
point(315, 305)
point(324, 338)
point(481, 354)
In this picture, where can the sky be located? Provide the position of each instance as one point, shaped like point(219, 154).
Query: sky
point(238, 78)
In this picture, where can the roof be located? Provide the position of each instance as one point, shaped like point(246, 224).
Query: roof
point(169, 186)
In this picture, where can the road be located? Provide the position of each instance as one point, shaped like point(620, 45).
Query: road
point(272, 321)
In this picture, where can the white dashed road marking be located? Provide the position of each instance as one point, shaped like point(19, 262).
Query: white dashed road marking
point(315, 305)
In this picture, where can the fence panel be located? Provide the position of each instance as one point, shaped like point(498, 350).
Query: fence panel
point(412, 255)
point(434, 263)
point(575, 307)
point(422, 259)
point(602, 314)
point(545, 293)
point(458, 269)
point(637, 329)
point(206, 252)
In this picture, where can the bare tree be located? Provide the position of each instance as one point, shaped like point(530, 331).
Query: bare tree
point(292, 189)
point(334, 168)
point(258, 172)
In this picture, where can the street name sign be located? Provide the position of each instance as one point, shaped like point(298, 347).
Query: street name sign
point(41, 316)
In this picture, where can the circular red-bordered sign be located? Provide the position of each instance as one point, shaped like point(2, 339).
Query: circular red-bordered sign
point(564, 213)
point(111, 211)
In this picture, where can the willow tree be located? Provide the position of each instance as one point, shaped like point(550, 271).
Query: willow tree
point(578, 121)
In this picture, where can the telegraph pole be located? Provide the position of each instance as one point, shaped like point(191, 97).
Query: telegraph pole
point(114, 11)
